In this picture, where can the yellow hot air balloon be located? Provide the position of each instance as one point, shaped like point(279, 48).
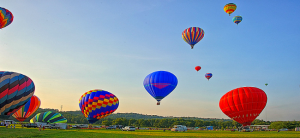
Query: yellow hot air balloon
point(229, 8)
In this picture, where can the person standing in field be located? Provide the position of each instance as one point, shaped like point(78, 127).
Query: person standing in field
point(40, 128)
point(14, 126)
point(43, 128)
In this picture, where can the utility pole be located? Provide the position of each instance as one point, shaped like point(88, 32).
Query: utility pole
point(61, 108)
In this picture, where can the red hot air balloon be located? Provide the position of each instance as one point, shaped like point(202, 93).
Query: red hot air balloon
point(197, 68)
point(243, 104)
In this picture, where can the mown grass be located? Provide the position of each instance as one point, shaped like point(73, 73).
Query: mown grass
point(19, 132)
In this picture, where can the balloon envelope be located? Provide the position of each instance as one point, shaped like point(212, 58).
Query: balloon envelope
point(28, 109)
point(192, 35)
point(159, 84)
point(197, 68)
point(15, 91)
point(48, 117)
point(6, 17)
point(208, 76)
point(229, 8)
point(237, 19)
point(243, 104)
point(97, 104)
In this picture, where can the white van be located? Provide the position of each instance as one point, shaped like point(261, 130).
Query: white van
point(179, 128)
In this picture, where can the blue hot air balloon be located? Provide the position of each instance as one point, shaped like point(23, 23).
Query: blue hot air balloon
point(159, 84)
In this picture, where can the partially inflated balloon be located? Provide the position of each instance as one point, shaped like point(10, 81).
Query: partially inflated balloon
point(97, 104)
point(28, 109)
point(48, 117)
point(192, 35)
point(243, 104)
point(6, 17)
point(15, 91)
point(237, 19)
point(197, 68)
point(159, 84)
point(208, 76)
point(229, 8)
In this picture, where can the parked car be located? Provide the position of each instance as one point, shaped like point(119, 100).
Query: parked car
point(111, 127)
point(128, 128)
point(246, 129)
point(51, 126)
point(30, 125)
point(179, 128)
point(283, 129)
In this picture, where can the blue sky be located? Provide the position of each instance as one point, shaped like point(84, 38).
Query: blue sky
point(70, 47)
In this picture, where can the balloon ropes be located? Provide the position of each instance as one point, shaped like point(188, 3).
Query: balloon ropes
point(159, 84)
point(28, 109)
point(229, 8)
point(15, 91)
point(243, 104)
point(192, 35)
point(97, 104)
point(6, 17)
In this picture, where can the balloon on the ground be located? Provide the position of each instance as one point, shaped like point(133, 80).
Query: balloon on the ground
point(229, 8)
point(208, 76)
point(97, 104)
point(6, 17)
point(48, 117)
point(197, 68)
point(159, 84)
point(243, 104)
point(28, 109)
point(192, 35)
point(237, 19)
point(15, 91)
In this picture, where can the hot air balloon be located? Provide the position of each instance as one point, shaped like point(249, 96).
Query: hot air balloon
point(197, 68)
point(6, 17)
point(97, 104)
point(229, 8)
point(266, 84)
point(48, 117)
point(208, 76)
point(28, 109)
point(243, 104)
point(237, 19)
point(15, 91)
point(192, 35)
point(159, 84)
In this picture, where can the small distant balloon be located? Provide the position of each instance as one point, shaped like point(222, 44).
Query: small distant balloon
point(192, 35)
point(237, 19)
point(229, 8)
point(6, 17)
point(266, 84)
point(208, 76)
point(197, 68)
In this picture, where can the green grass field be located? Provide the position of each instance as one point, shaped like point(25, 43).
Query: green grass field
point(86, 133)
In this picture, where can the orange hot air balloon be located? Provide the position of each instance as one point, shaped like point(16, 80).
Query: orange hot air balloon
point(229, 8)
point(243, 104)
point(28, 109)
point(197, 68)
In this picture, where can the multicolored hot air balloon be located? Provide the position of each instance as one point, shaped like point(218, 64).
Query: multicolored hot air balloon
point(192, 35)
point(159, 84)
point(237, 19)
point(97, 104)
point(229, 8)
point(6, 17)
point(243, 104)
point(15, 91)
point(28, 109)
point(208, 76)
point(197, 68)
point(266, 84)
point(48, 117)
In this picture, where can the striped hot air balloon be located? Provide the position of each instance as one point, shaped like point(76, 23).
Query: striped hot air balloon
point(48, 117)
point(97, 104)
point(229, 8)
point(28, 109)
point(15, 91)
point(208, 76)
point(237, 19)
point(192, 35)
point(6, 17)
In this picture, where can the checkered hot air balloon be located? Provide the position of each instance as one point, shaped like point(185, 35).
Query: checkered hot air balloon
point(192, 35)
point(6, 17)
point(28, 109)
point(97, 104)
point(229, 8)
point(15, 91)
point(159, 84)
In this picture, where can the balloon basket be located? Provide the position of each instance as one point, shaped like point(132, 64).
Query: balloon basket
point(158, 103)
